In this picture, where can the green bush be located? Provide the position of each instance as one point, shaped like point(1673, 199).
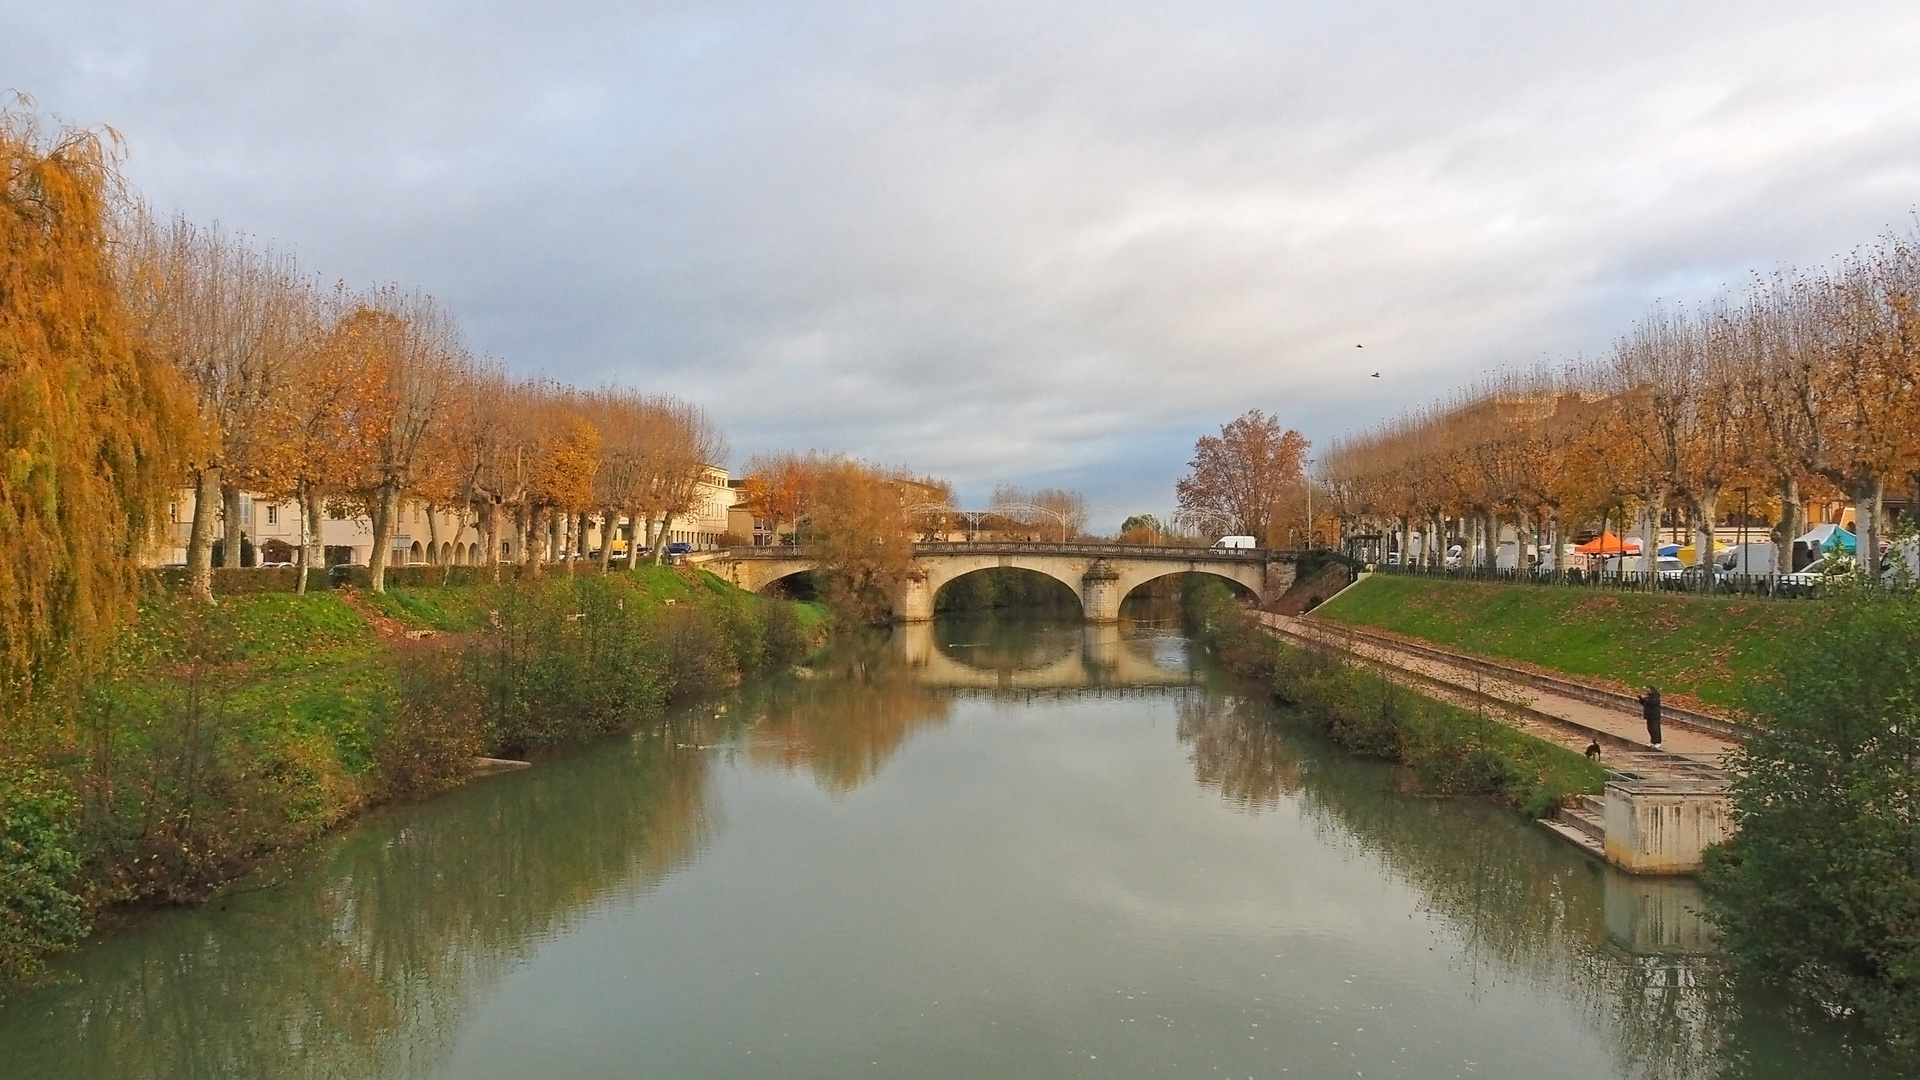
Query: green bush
point(40, 905)
point(1821, 887)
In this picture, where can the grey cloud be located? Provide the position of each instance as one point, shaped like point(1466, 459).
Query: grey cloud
point(1039, 243)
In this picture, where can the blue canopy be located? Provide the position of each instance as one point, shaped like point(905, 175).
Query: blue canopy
point(1824, 536)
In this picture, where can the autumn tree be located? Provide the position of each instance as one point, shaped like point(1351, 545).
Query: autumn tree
point(859, 528)
point(1238, 475)
point(778, 488)
point(1045, 510)
point(93, 422)
point(412, 343)
point(232, 320)
point(690, 444)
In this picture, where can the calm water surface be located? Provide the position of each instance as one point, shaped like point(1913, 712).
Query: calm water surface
point(973, 850)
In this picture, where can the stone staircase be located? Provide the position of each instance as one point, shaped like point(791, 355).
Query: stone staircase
point(1583, 823)
point(1668, 807)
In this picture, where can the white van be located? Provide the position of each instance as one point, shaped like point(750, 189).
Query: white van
point(1748, 559)
point(1235, 542)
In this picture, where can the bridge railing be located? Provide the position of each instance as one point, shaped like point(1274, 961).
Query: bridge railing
point(1018, 547)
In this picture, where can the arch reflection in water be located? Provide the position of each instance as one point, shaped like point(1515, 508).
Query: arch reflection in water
point(1025, 654)
point(370, 963)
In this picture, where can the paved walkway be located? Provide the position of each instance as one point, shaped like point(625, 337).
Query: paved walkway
point(1557, 718)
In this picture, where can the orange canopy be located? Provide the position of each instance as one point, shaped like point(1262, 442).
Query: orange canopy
point(1608, 544)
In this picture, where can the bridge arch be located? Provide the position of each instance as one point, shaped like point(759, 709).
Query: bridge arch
point(939, 582)
point(1239, 588)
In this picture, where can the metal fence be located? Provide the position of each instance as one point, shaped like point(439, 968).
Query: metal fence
point(1690, 580)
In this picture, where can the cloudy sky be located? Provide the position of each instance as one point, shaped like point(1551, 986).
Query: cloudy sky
point(1012, 240)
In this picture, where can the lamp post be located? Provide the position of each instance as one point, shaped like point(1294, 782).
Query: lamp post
point(1743, 530)
point(1308, 475)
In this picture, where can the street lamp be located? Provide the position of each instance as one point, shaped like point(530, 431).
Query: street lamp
point(1308, 474)
point(1743, 529)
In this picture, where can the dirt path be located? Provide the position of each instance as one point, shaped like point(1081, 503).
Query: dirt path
point(383, 624)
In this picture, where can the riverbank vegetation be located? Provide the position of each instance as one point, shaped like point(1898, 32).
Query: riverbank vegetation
point(1704, 649)
point(1820, 888)
point(1447, 750)
point(156, 741)
point(216, 737)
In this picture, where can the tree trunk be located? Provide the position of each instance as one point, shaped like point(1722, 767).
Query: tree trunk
point(608, 526)
point(230, 510)
point(660, 547)
point(1706, 508)
point(200, 534)
point(1650, 535)
point(1868, 506)
point(386, 509)
point(493, 539)
point(1553, 534)
point(312, 552)
point(1791, 526)
point(530, 545)
point(433, 535)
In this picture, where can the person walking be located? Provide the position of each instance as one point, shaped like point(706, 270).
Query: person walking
point(1650, 708)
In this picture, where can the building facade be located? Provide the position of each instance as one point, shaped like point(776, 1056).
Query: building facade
point(271, 532)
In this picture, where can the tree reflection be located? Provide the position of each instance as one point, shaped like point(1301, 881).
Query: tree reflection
point(1630, 951)
point(369, 965)
point(859, 708)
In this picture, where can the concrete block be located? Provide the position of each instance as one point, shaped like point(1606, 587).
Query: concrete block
point(1662, 826)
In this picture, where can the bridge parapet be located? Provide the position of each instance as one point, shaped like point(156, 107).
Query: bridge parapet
point(1100, 574)
point(1022, 547)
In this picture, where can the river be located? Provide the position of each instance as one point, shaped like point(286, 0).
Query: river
point(976, 849)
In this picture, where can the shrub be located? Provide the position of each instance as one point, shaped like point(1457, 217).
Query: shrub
point(1821, 887)
point(40, 905)
point(426, 739)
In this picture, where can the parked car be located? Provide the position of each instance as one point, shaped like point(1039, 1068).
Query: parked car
point(1807, 580)
point(1670, 569)
point(679, 547)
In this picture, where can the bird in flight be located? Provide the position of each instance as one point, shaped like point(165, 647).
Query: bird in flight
point(1375, 375)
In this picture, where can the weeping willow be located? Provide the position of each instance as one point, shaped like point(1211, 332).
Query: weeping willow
point(88, 416)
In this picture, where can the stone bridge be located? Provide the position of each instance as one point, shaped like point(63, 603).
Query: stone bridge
point(1101, 575)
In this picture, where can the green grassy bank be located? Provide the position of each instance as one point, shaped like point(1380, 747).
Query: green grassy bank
point(224, 736)
point(1708, 648)
point(1448, 750)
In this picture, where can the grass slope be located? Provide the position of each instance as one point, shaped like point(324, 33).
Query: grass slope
point(1707, 648)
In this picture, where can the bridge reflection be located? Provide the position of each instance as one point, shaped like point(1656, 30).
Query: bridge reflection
point(1025, 656)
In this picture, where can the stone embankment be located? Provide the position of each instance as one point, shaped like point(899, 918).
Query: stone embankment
point(1661, 808)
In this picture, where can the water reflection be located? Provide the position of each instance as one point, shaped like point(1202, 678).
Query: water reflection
point(858, 707)
point(1014, 655)
point(375, 963)
point(370, 964)
point(1634, 953)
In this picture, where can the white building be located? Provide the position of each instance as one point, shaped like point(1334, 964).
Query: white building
point(443, 537)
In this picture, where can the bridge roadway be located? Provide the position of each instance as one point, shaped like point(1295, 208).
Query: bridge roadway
point(1101, 575)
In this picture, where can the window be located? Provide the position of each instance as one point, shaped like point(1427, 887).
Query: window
point(173, 512)
point(246, 509)
point(273, 514)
